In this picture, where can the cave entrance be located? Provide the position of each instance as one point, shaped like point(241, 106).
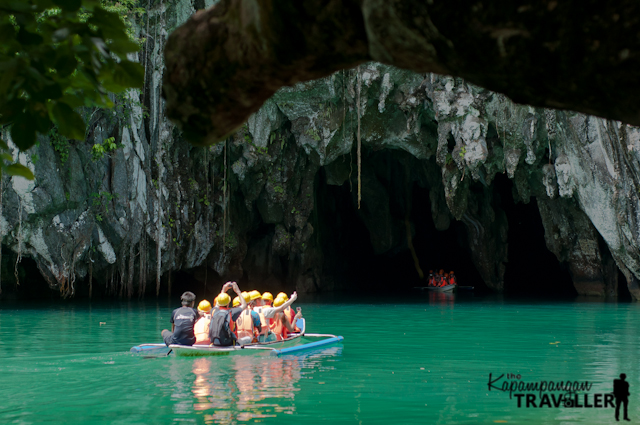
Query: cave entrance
point(531, 268)
point(346, 233)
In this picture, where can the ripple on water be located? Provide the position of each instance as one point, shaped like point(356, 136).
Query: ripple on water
point(426, 361)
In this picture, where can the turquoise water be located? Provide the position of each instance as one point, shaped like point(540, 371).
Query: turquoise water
point(419, 359)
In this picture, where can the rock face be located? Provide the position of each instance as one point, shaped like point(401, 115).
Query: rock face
point(271, 204)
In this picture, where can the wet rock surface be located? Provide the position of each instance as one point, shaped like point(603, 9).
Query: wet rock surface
point(275, 204)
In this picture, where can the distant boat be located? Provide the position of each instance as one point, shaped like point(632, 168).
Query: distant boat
point(446, 288)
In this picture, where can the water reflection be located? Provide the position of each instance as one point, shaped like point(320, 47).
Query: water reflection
point(442, 298)
point(248, 387)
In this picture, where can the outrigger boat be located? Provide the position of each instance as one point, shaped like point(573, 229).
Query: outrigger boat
point(294, 343)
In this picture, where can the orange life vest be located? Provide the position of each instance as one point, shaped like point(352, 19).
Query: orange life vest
point(432, 281)
point(279, 328)
point(245, 324)
point(452, 280)
point(201, 330)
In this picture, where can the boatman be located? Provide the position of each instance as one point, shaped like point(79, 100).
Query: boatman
point(183, 320)
point(221, 328)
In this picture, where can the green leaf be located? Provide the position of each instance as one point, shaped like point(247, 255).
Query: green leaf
point(129, 74)
point(23, 132)
point(69, 123)
point(19, 170)
point(122, 47)
point(109, 23)
point(72, 100)
point(66, 64)
point(29, 38)
point(69, 5)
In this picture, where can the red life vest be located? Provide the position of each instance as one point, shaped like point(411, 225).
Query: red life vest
point(452, 280)
point(290, 315)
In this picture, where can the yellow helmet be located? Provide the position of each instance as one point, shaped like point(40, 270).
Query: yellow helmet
point(254, 295)
point(267, 296)
point(223, 300)
point(279, 301)
point(283, 295)
point(246, 296)
point(204, 306)
point(236, 302)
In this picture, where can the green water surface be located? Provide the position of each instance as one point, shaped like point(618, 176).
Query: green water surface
point(417, 359)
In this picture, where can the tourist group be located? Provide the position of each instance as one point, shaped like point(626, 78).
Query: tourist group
point(250, 318)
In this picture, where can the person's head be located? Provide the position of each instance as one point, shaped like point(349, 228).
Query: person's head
point(446, 275)
point(441, 271)
point(236, 301)
point(283, 295)
point(224, 300)
point(451, 273)
point(623, 376)
point(267, 298)
point(188, 299)
point(246, 297)
point(204, 307)
point(255, 298)
point(279, 301)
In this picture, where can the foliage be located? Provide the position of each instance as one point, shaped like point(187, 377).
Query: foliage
point(100, 149)
point(57, 56)
point(60, 144)
point(101, 201)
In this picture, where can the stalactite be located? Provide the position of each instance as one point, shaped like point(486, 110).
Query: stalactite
point(359, 141)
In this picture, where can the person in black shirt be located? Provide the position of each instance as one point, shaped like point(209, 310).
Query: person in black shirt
point(182, 321)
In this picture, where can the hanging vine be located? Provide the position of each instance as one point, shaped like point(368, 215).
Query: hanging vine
point(359, 141)
point(224, 201)
point(19, 257)
point(1, 235)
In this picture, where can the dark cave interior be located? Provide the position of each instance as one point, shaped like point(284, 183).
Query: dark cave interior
point(531, 269)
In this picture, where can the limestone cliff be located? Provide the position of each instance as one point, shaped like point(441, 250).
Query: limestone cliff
point(259, 206)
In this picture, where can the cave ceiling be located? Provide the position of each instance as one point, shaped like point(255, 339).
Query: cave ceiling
point(226, 61)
